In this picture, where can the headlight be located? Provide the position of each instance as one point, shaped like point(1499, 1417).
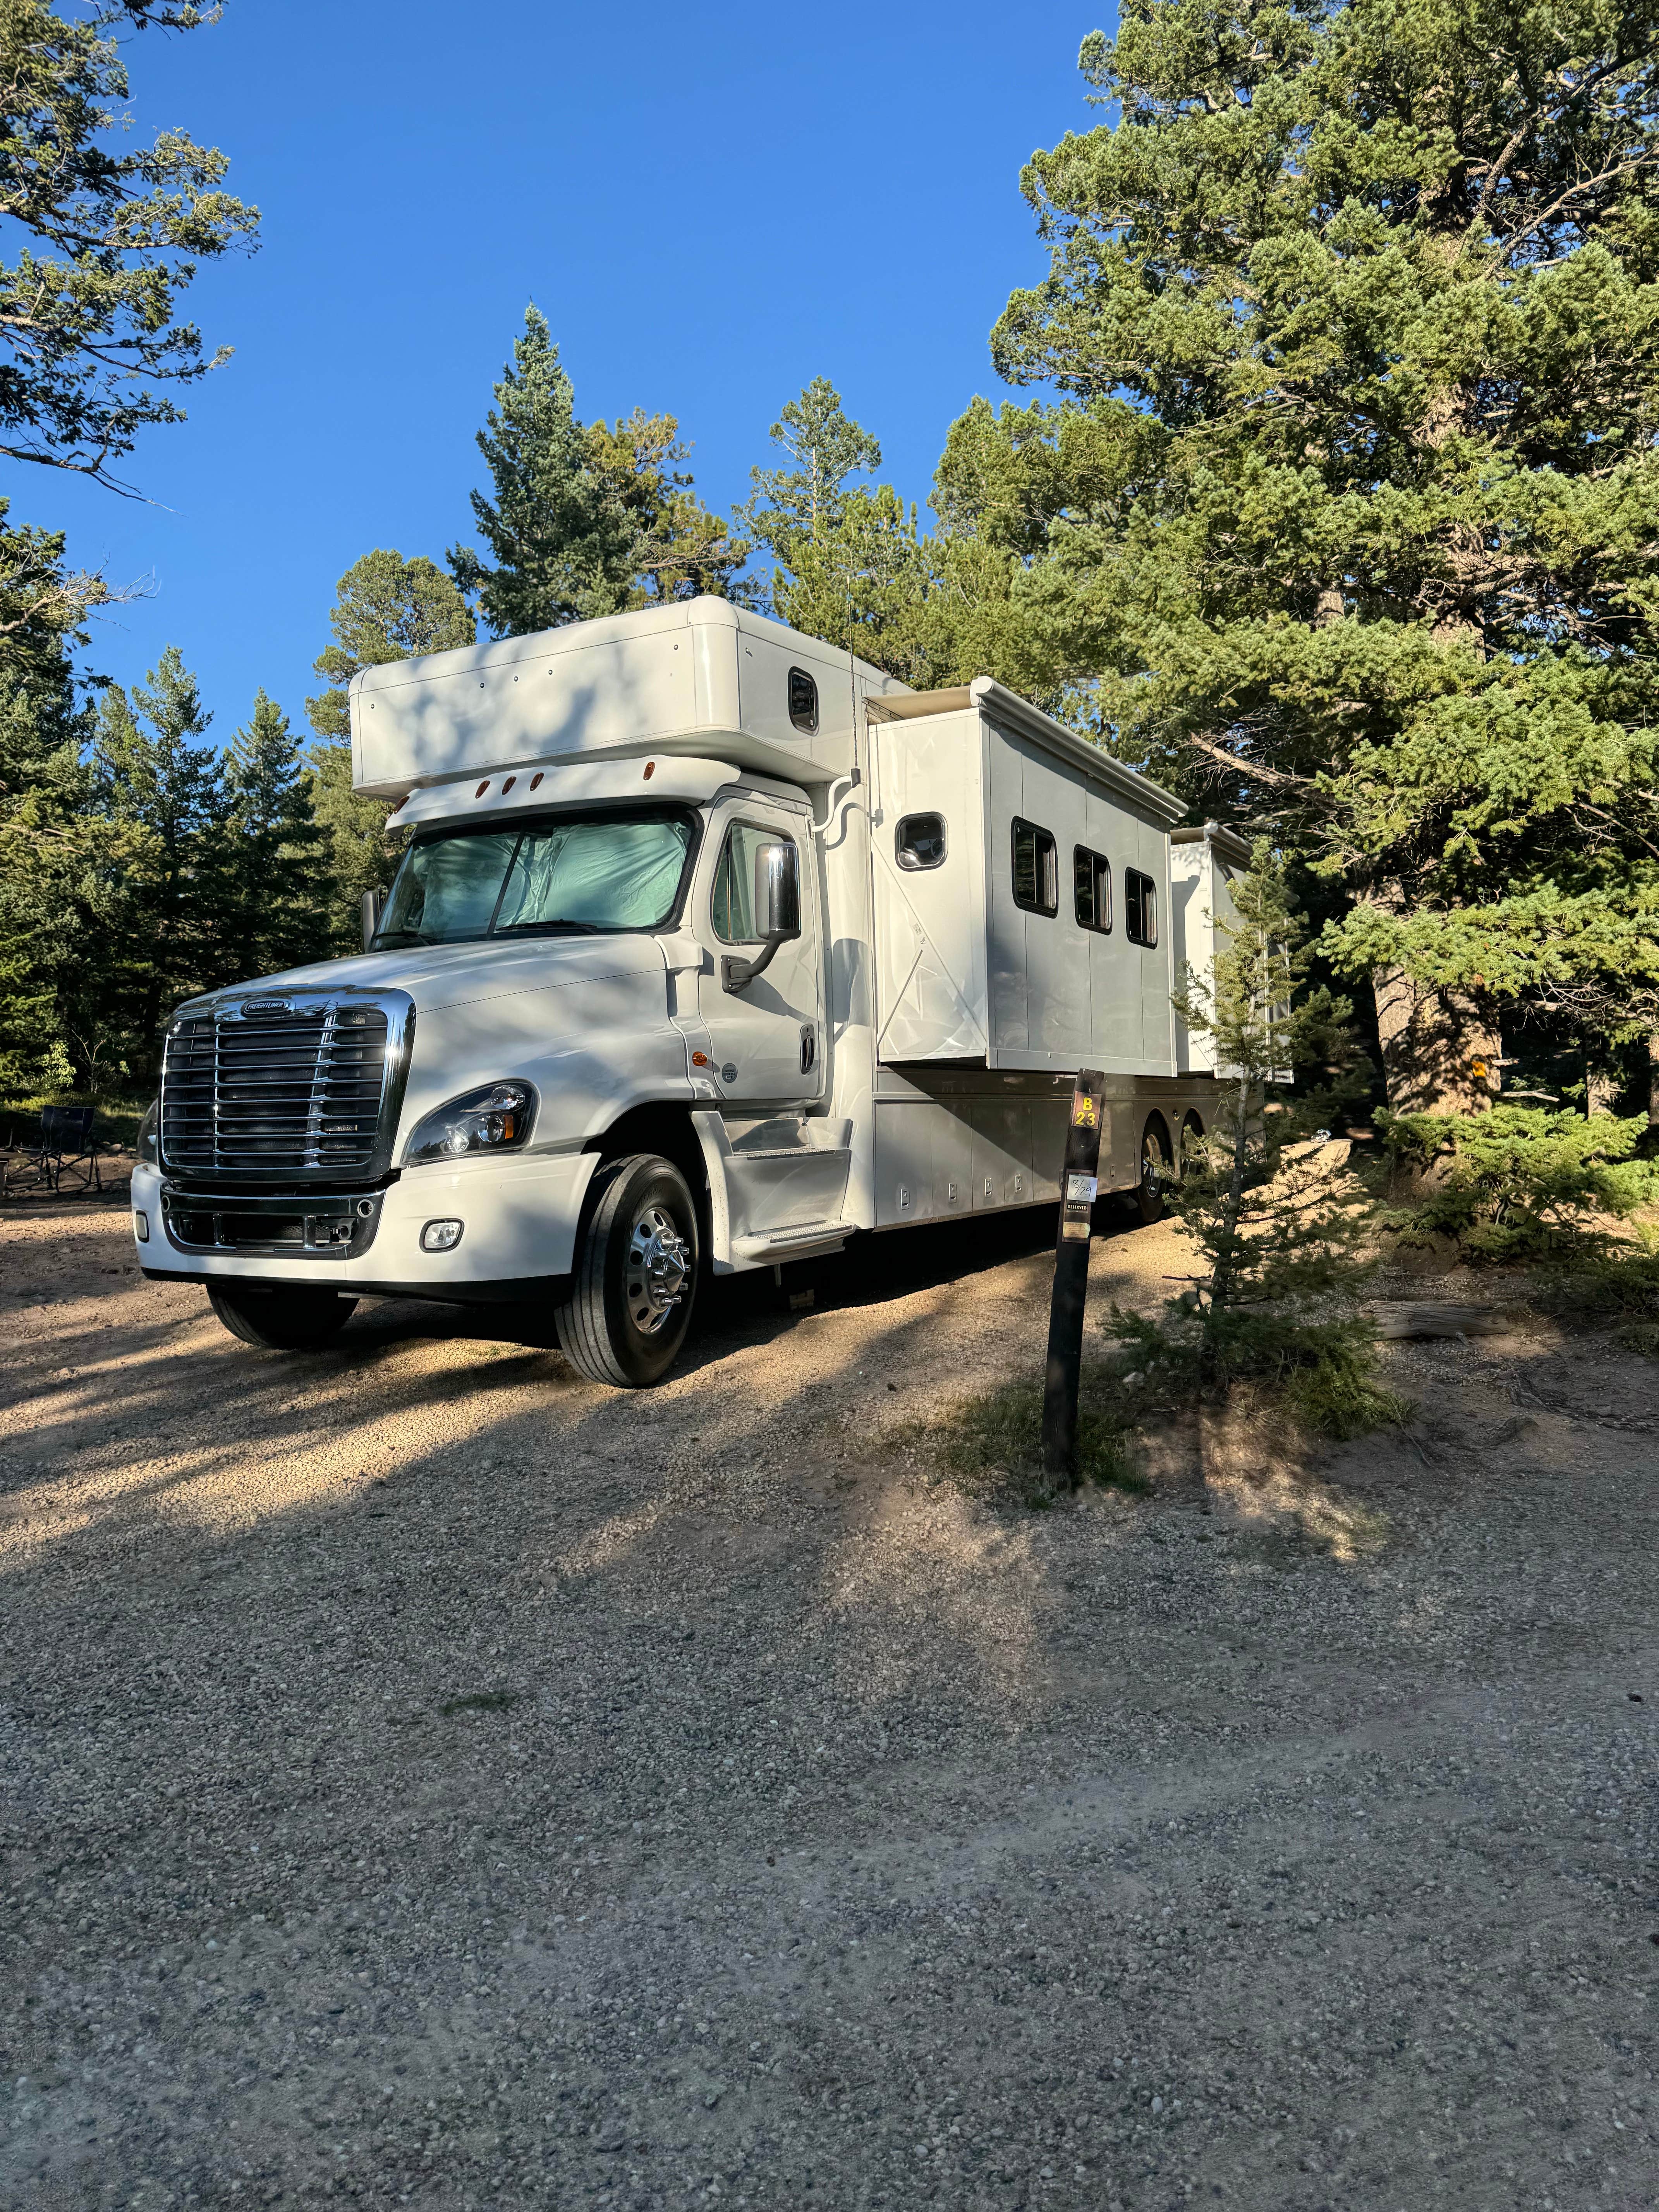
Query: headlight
point(495, 1119)
point(146, 1146)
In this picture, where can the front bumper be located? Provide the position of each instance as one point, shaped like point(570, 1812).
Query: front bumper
point(519, 1217)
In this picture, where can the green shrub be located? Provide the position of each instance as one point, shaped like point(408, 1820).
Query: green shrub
point(995, 1442)
point(1520, 1182)
point(1602, 1281)
point(1325, 1370)
point(1335, 1393)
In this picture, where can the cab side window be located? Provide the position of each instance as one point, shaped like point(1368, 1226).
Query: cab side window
point(732, 906)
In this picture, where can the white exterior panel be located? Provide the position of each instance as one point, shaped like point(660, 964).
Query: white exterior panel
point(930, 940)
point(1202, 864)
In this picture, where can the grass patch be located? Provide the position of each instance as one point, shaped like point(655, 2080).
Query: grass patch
point(1641, 1336)
point(481, 1701)
point(993, 1445)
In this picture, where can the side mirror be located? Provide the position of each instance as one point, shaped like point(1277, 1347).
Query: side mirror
point(777, 910)
point(372, 902)
point(777, 892)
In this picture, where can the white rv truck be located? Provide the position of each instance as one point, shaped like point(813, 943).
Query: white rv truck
point(711, 948)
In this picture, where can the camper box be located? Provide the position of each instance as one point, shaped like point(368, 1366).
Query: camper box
point(700, 676)
point(1022, 926)
point(1022, 882)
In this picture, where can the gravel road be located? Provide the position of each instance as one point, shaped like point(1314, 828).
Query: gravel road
point(432, 1780)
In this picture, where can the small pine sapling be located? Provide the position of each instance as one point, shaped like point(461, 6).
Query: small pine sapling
point(1265, 1196)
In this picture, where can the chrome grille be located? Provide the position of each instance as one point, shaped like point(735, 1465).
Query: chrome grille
point(274, 1088)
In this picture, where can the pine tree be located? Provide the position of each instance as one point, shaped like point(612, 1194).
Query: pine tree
point(386, 609)
point(1269, 1202)
point(868, 580)
point(826, 449)
point(854, 566)
point(586, 519)
point(559, 536)
point(276, 863)
point(47, 916)
point(42, 791)
point(1349, 509)
point(166, 879)
point(113, 236)
point(671, 547)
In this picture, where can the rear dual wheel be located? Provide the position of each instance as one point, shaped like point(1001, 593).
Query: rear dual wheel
point(1154, 1171)
point(635, 1276)
point(1159, 1171)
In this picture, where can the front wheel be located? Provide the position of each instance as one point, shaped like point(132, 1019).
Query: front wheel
point(281, 1321)
point(635, 1274)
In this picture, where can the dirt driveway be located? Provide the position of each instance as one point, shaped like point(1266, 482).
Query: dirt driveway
point(431, 1780)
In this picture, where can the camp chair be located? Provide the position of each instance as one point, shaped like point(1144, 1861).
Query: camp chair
point(67, 1146)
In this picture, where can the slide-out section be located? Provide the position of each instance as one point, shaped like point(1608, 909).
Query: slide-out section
point(1021, 882)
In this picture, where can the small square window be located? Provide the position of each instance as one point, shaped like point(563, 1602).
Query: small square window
point(802, 701)
point(1140, 908)
point(1092, 875)
point(1037, 872)
point(919, 841)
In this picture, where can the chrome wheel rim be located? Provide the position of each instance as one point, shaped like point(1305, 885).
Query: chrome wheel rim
point(657, 1266)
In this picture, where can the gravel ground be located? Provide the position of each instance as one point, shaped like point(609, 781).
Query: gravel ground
point(431, 1780)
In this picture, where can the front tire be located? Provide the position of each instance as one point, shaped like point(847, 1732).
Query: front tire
point(635, 1276)
point(281, 1321)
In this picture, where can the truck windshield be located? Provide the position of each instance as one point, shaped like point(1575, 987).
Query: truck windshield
point(580, 873)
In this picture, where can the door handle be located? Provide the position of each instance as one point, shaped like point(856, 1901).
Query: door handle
point(809, 1047)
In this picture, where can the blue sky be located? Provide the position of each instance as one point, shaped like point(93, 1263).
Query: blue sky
point(711, 205)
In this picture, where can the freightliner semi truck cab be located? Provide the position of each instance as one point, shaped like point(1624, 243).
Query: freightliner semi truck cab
point(710, 948)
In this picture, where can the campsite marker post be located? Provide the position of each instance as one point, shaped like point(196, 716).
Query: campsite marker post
point(1080, 1181)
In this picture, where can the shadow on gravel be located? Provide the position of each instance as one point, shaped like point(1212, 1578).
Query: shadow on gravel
point(586, 1795)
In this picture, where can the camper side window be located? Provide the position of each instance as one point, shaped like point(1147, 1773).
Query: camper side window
point(803, 701)
point(1037, 872)
point(918, 842)
point(1092, 882)
point(1140, 908)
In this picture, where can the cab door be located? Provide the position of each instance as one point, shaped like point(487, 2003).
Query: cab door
point(766, 1040)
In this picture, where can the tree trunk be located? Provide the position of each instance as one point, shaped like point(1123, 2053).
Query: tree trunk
point(1601, 1091)
point(1440, 1054)
point(1653, 1080)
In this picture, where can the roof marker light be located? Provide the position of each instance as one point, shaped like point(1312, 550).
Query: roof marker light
point(535, 779)
point(482, 787)
point(650, 770)
point(508, 784)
